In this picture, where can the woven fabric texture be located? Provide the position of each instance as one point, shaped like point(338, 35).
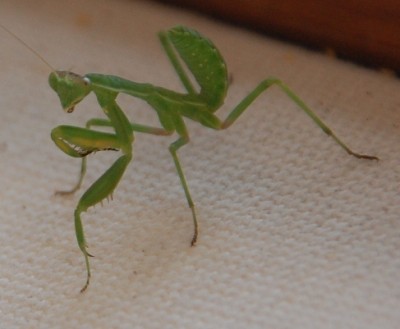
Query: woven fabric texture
point(295, 233)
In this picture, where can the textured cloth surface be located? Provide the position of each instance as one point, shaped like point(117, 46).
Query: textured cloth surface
point(294, 232)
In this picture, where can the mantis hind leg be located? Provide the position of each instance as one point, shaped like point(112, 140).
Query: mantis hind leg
point(263, 86)
point(100, 190)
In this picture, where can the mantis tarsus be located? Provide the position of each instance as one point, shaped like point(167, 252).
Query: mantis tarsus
point(183, 46)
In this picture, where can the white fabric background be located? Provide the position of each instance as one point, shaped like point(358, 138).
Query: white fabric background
point(294, 232)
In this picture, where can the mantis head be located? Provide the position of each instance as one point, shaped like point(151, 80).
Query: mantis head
point(71, 88)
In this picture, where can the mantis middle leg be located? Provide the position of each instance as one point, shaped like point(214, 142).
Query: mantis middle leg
point(183, 140)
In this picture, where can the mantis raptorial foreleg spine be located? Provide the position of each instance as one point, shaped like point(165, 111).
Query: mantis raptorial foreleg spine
point(183, 46)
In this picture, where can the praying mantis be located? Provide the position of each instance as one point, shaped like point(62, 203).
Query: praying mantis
point(187, 50)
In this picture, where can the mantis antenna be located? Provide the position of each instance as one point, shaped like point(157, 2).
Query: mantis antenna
point(41, 58)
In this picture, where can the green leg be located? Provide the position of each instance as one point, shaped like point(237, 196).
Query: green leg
point(181, 129)
point(80, 142)
point(176, 62)
point(106, 123)
point(135, 127)
point(79, 183)
point(173, 148)
point(102, 123)
point(264, 85)
point(100, 190)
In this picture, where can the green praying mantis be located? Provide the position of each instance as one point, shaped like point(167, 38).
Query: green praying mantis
point(184, 47)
